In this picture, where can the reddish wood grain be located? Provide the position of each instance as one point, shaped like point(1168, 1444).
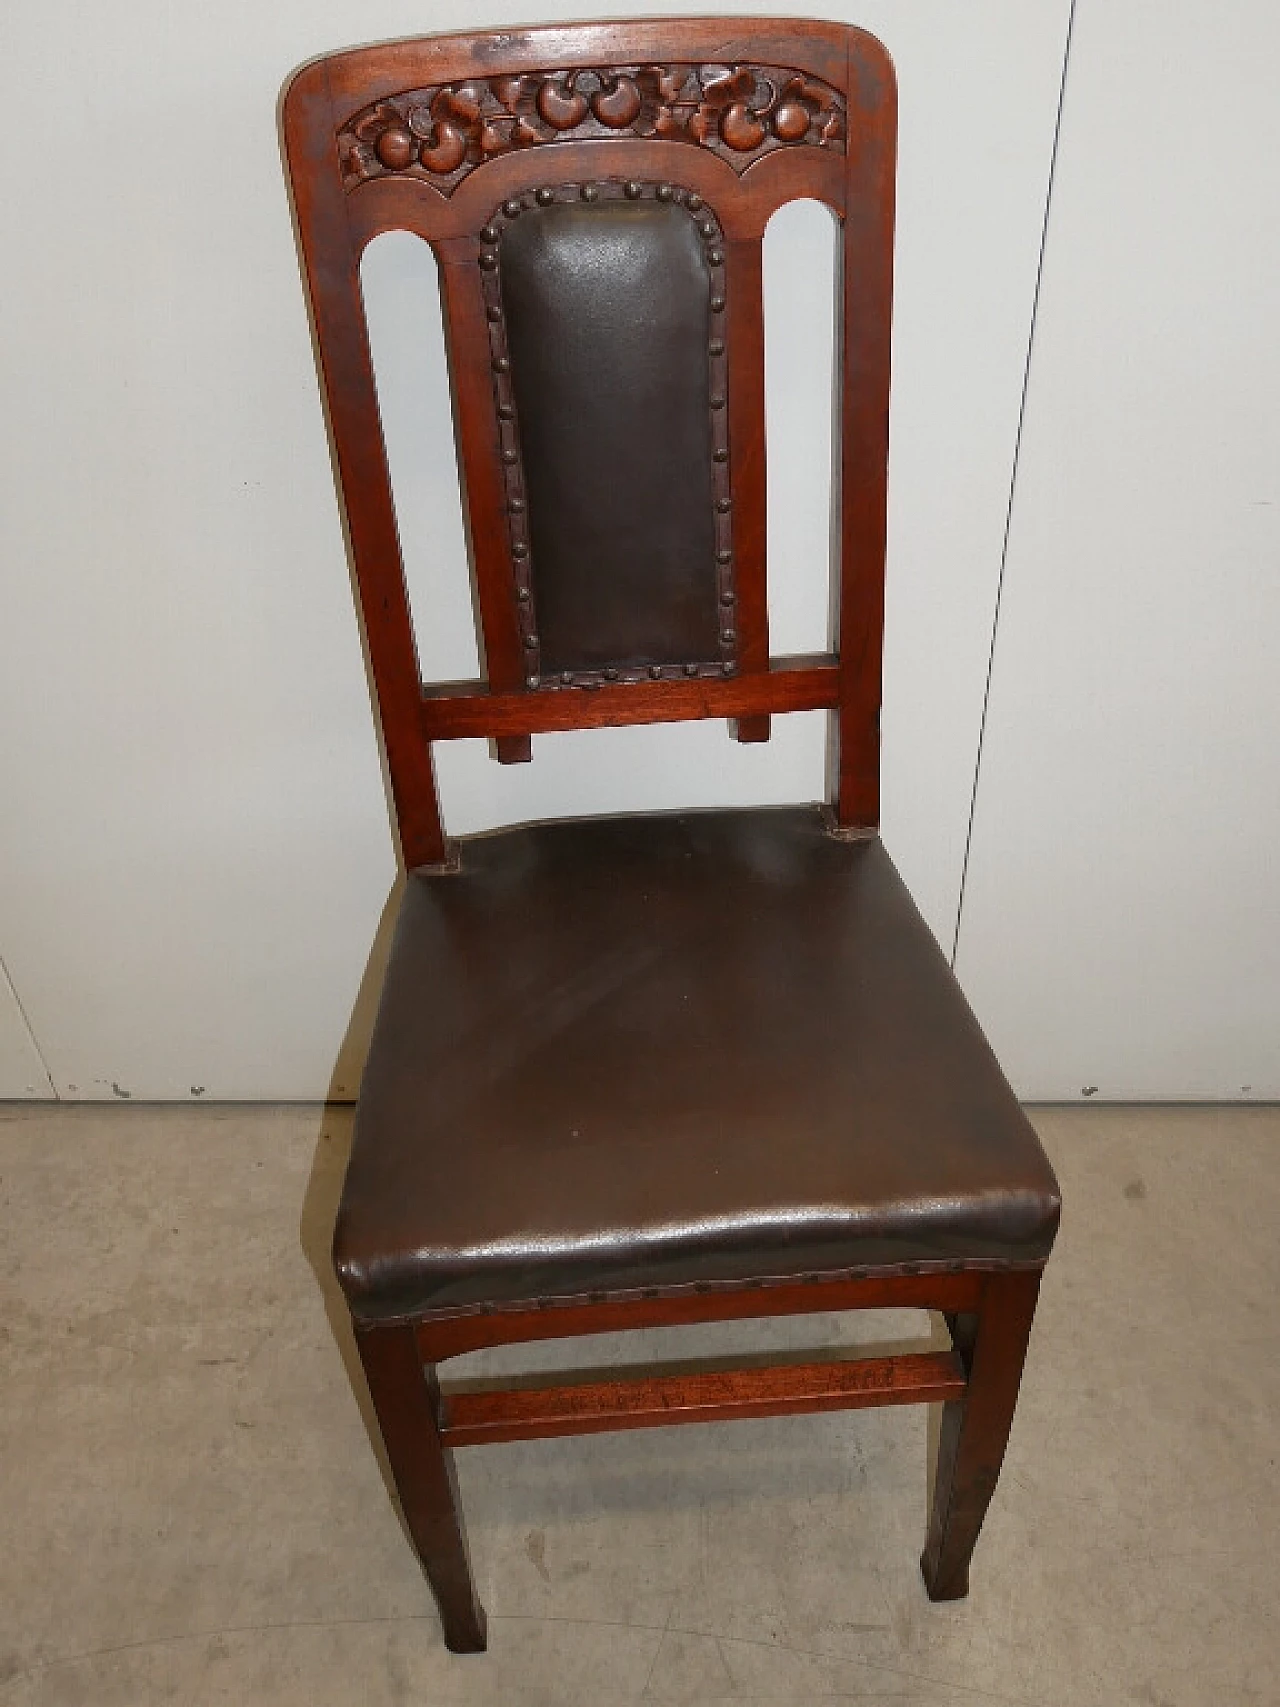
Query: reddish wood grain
point(791, 685)
point(479, 448)
point(745, 295)
point(365, 74)
point(331, 263)
point(534, 1413)
point(992, 1345)
point(864, 429)
point(407, 1403)
point(743, 204)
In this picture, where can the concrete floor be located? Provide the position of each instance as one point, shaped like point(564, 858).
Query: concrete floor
point(191, 1511)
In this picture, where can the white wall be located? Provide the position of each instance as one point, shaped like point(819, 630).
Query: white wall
point(22, 1073)
point(196, 845)
point(1121, 922)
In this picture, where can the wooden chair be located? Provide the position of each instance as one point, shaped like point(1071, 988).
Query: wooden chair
point(670, 1068)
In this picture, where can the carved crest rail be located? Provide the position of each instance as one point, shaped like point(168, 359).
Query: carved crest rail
point(739, 112)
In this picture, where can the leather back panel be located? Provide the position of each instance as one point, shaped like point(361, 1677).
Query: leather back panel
point(607, 309)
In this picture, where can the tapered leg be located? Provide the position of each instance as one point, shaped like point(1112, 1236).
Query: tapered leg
point(405, 1398)
point(975, 1429)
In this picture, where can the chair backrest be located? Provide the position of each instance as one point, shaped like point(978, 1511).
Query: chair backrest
point(596, 196)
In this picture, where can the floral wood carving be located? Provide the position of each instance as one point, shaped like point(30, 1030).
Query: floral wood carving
point(737, 111)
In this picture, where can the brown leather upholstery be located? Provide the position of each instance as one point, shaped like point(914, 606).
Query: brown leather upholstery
point(654, 1051)
point(607, 325)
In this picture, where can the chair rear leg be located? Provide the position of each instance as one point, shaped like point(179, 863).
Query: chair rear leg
point(406, 1400)
point(975, 1429)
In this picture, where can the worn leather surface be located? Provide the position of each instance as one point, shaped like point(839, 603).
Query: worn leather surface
point(656, 1050)
point(607, 326)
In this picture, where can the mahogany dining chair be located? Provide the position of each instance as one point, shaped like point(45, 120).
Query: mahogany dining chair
point(667, 1068)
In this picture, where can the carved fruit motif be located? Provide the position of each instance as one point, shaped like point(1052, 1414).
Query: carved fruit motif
point(736, 110)
point(801, 101)
point(740, 128)
point(396, 148)
point(726, 111)
point(560, 106)
point(619, 105)
point(448, 151)
point(790, 121)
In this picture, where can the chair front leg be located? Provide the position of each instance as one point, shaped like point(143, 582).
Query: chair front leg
point(406, 1400)
point(975, 1429)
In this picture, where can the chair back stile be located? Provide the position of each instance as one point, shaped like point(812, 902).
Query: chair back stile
point(596, 199)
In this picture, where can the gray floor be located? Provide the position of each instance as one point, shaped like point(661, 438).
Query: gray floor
point(192, 1513)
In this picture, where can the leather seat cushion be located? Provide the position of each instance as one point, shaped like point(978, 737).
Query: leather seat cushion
point(622, 1053)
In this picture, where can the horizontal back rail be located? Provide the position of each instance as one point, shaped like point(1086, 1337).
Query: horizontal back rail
point(365, 74)
point(744, 202)
point(786, 684)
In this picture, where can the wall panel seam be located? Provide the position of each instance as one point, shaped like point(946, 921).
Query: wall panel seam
point(1013, 479)
point(26, 1024)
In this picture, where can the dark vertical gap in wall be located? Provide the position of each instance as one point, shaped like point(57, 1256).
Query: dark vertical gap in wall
point(1013, 480)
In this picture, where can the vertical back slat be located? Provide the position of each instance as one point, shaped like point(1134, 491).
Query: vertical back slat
point(744, 291)
point(356, 426)
point(864, 441)
point(479, 443)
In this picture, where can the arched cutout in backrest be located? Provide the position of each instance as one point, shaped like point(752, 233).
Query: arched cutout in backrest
point(801, 303)
point(400, 288)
